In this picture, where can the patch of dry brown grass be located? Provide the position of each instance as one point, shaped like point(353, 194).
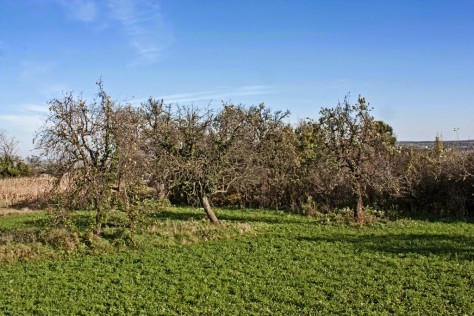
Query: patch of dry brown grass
point(25, 191)
point(13, 211)
point(196, 231)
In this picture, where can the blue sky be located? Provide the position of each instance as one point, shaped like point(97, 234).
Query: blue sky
point(412, 60)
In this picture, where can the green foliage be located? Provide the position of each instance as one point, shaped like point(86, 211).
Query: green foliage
point(290, 265)
point(140, 209)
point(10, 168)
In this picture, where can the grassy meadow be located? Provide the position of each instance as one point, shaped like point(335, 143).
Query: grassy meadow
point(258, 262)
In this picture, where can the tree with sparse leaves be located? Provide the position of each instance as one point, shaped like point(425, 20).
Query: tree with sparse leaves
point(131, 162)
point(78, 136)
point(359, 146)
point(179, 143)
point(196, 153)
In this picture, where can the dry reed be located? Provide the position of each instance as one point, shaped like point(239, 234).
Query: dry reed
point(24, 191)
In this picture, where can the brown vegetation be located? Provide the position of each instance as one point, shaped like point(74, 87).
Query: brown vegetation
point(115, 157)
point(25, 191)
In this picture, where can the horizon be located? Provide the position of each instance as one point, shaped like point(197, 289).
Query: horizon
point(411, 60)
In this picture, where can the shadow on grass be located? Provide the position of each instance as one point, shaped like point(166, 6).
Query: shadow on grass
point(259, 218)
point(437, 219)
point(242, 216)
point(39, 223)
point(36, 204)
point(178, 216)
point(456, 247)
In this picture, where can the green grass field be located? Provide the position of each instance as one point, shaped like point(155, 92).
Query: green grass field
point(272, 264)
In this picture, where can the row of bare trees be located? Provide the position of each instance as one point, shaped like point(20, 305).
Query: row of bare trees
point(108, 155)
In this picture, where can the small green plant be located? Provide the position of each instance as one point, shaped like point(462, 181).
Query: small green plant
point(59, 217)
point(10, 168)
point(311, 208)
point(139, 210)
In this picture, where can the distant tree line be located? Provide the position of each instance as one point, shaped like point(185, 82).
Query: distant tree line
point(11, 165)
point(107, 156)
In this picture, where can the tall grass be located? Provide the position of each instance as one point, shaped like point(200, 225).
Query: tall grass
point(24, 191)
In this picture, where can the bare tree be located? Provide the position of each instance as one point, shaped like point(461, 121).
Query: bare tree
point(177, 142)
point(131, 161)
point(274, 156)
point(259, 161)
point(359, 146)
point(8, 146)
point(193, 150)
point(79, 137)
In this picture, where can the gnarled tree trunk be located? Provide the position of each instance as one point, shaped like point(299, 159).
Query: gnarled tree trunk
point(358, 211)
point(98, 224)
point(208, 209)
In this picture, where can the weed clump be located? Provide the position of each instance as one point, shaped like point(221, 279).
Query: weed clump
point(61, 239)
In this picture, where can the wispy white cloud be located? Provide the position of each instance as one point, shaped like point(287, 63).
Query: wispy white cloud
point(145, 27)
point(142, 22)
point(35, 108)
point(23, 122)
point(24, 114)
point(80, 10)
point(218, 94)
point(23, 126)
